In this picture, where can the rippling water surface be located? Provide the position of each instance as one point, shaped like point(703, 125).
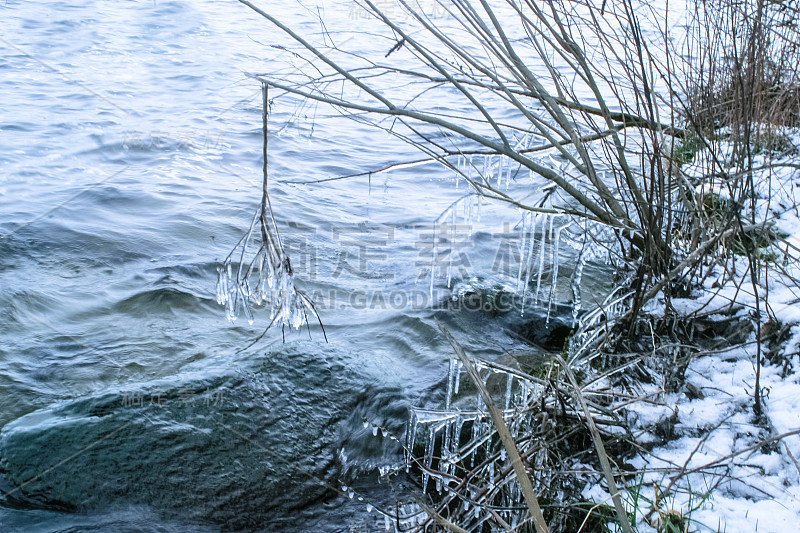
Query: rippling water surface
point(130, 145)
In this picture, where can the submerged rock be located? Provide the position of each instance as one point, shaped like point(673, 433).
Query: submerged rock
point(544, 325)
point(549, 333)
point(239, 449)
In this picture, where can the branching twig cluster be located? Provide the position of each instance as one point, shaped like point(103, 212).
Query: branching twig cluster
point(258, 272)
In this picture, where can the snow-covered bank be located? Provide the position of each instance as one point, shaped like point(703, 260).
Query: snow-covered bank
point(722, 478)
point(707, 462)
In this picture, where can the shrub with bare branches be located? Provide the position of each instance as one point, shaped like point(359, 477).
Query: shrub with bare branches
point(605, 106)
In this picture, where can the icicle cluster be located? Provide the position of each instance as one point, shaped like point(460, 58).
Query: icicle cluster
point(485, 171)
point(546, 236)
point(461, 460)
point(541, 238)
point(593, 325)
point(263, 279)
point(495, 171)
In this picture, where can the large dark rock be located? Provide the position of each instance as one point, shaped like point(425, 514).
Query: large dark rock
point(240, 448)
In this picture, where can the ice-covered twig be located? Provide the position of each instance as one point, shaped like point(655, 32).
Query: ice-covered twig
point(263, 275)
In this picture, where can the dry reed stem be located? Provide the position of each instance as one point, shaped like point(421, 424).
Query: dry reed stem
point(601, 451)
point(505, 436)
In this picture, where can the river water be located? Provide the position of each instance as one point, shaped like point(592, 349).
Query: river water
point(130, 143)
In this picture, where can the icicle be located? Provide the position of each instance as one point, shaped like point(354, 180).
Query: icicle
point(444, 463)
point(232, 309)
point(528, 257)
point(501, 164)
point(457, 378)
point(271, 278)
point(475, 433)
point(521, 249)
point(554, 282)
point(433, 261)
point(259, 295)
point(411, 435)
point(450, 380)
point(233, 293)
point(509, 379)
point(458, 423)
point(374, 430)
point(369, 507)
point(298, 315)
point(576, 286)
point(452, 248)
point(428, 456)
point(479, 402)
point(247, 313)
point(541, 259)
point(222, 286)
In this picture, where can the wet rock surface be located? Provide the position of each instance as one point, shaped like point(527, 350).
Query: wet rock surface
point(227, 450)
